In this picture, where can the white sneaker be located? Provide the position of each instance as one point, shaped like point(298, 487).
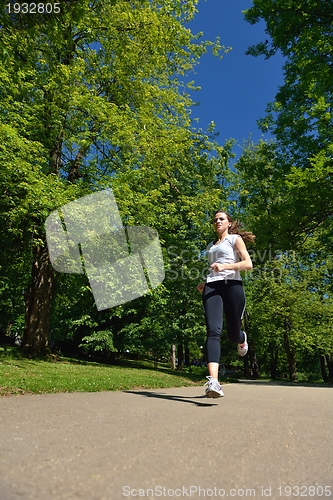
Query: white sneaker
point(213, 389)
point(243, 348)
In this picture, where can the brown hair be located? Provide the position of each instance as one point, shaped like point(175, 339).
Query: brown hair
point(247, 236)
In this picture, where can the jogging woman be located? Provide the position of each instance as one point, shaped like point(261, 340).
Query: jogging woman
point(223, 292)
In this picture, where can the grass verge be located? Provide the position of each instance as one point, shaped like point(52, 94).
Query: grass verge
point(26, 376)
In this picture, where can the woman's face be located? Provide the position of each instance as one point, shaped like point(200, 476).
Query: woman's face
point(221, 222)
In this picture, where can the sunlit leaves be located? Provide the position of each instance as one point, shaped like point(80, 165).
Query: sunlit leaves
point(303, 32)
point(300, 118)
point(96, 98)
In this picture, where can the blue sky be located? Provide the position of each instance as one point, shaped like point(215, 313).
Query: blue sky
point(235, 90)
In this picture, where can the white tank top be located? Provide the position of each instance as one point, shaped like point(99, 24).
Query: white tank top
point(224, 253)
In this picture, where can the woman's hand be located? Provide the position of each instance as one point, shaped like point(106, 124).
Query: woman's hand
point(201, 287)
point(217, 267)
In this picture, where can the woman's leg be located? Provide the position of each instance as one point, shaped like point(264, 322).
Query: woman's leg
point(213, 306)
point(234, 306)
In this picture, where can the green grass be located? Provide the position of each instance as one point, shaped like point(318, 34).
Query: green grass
point(24, 376)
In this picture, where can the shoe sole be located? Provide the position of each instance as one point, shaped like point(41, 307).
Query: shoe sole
point(242, 351)
point(213, 394)
point(242, 354)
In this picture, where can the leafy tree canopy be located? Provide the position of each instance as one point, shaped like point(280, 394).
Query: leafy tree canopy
point(96, 96)
point(301, 117)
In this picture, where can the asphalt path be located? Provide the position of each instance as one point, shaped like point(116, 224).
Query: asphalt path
point(259, 441)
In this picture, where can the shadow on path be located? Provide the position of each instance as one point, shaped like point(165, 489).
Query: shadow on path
point(178, 399)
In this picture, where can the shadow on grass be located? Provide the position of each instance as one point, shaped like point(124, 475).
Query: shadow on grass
point(13, 353)
point(141, 365)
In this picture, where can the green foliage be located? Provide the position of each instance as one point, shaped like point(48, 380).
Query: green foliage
point(100, 341)
point(96, 97)
point(289, 314)
point(301, 116)
point(285, 191)
point(26, 198)
point(99, 87)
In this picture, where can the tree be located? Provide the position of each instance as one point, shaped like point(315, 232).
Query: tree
point(27, 195)
point(290, 208)
point(97, 90)
point(301, 117)
point(261, 194)
point(288, 314)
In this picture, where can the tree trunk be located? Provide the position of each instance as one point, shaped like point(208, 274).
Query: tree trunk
point(246, 368)
point(323, 368)
point(329, 361)
point(274, 362)
point(254, 364)
point(38, 302)
point(180, 356)
point(187, 357)
point(291, 357)
point(173, 357)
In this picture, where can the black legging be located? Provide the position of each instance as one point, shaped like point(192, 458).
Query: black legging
point(218, 296)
